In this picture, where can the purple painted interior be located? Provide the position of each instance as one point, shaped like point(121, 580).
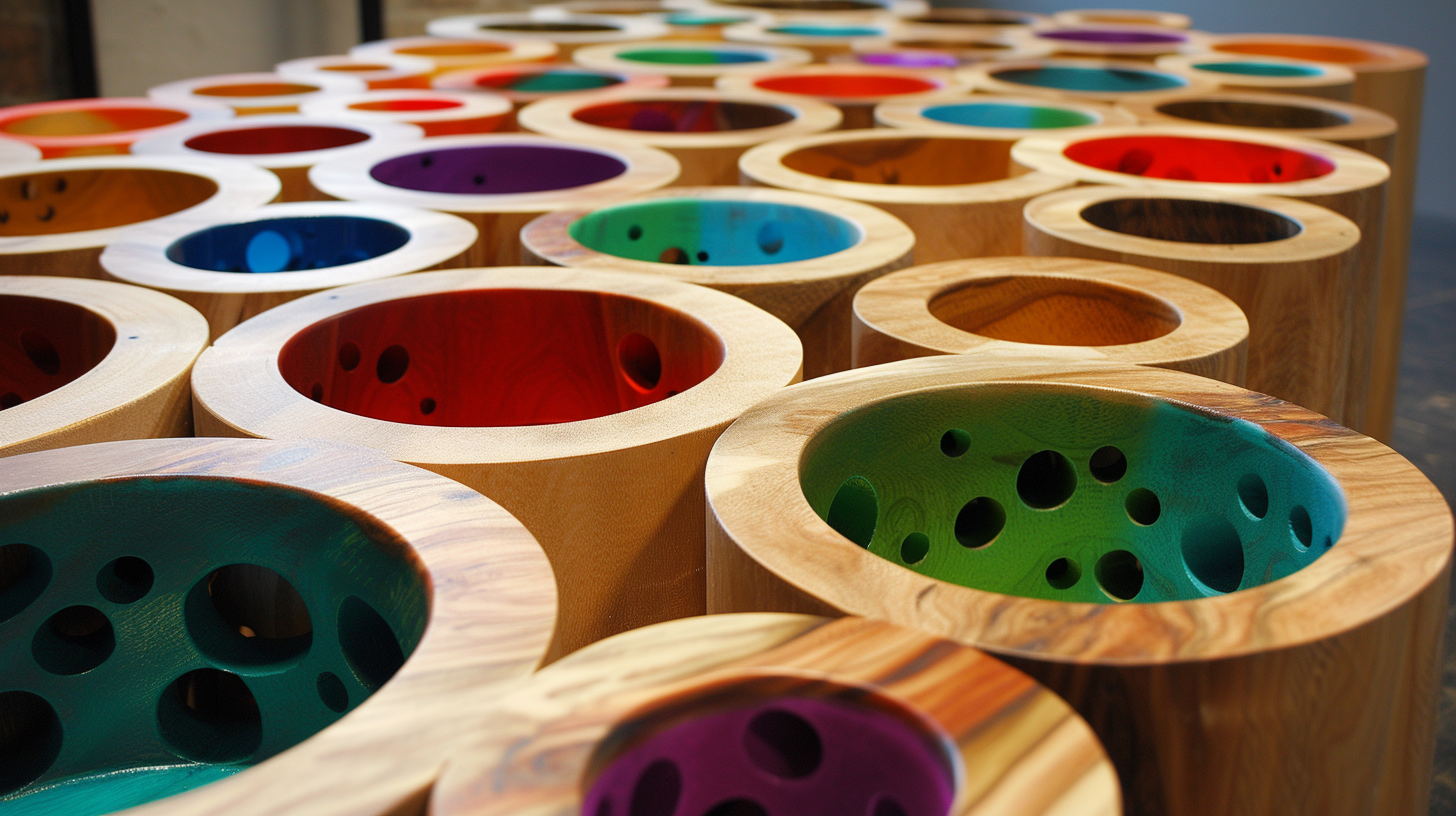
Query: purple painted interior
point(788, 756)
point(497, 169)
point(1113, 36)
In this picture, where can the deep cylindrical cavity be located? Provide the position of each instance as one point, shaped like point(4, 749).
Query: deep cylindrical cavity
point(1054, 311)
point(1188, 158)
point(45, 344)
point(683, 115)
point(1191, 221)
point(288, 244)
point(1096, 80)
point(271, 139)
point(498, 169)
point(916, 161)
point(1291, 116)
point(55, 202)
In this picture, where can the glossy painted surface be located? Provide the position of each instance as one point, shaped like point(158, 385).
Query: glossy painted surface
point(910, 59)
point(1098, 80)
point(714, 232)
point(562, 80)
point(691, 56)
point(683, 115)
point(45, 344)
point(1262, 69)
point(273, 139)
point(406, 105)
point(1003, 115)
point(249, 89)
point(1187, 158)
point(288, 244)
point(845, 85)
point(827, 31)
point(497, 169)
point(84, 121)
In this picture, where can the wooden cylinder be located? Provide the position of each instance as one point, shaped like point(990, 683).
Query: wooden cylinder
point(1084, 80)
point(456, 54)
point(233, 267)
point(798, 257)
point(88, 127)
point(1221, 161)
point(568, 31)
point(1118, 17)
point(960, 22)
point(249, 94)
point(1235, 72)
point(86, 361)
point(289, 145)
point(1005, 119)
point(234, 621)
point(1143, 43)
point(524, 84)
point(551, 391)
point(1067, 308)
point(13, 151)
point(706, 24)
point(854, 89)
point(938, 49)
point(437, 113)
point(624, 8)
point(828, 11)
point(783, 714)
point(823, 39)
point(961, 195)
point(60, 213)
point(1290, 265)
point(381, 73)
point(1036, 509)
point(497, 182)
point(689, 64)
point(706, 130)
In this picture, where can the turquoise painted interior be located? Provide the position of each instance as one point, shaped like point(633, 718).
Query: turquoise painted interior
point(1003, 115)
point(1099, 80)
point(1264, 69)
point(1071, 493)
point(691, 56)
point(157, 634)
point(560, 81)
point(688, 18)
point(288, 244)
point(714, 232)
point(827, 31)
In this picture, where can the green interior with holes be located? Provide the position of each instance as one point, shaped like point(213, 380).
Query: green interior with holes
point(1071, 493)
point(188, 660)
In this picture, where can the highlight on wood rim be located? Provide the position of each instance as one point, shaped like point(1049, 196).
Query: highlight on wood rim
point(74, 127)
point(253, 93)
point(568, 31)
point(1103, 80)
point(527, 83)
point(384, 71)
point(1248, 72)
point(436, 113)
point(447, 54)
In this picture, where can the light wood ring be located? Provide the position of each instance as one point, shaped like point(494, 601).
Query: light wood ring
point(906, 114)
point(967, 45)
point(610, 57)
point(830, 39)
point(1078, 17)
point(985, 78)
point(513, 81)
point(454, 54)
point(87, 127)
point(1142, 43)
point(840, 86)
point(1360, 56)
point(812, 10)
point(437, 113)
point(568, 31)
point(14, 151)
point(383, 72)
point(254, 93)
point(1321, 79)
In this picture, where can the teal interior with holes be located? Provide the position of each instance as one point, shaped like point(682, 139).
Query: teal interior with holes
point(691, 56)
point(1264, 69)
point(709, 232)
point(1095, 80)
point(1003, 115)
point(809, 30)
point(1071, 493)
point(157, 634)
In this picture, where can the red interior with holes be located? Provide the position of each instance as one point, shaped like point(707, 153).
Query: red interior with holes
point(45, 344)
point(1192, 159)
point(257, 89)
point(500, 357)
point(275, 139)
point(839, 85)
point(406, 105)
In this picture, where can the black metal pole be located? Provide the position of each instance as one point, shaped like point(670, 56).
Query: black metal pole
point(371, 20)
point(80, 49)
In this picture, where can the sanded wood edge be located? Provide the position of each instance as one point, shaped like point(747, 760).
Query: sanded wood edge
point(1328, 80)
point(465, 107)
point(1364, 129)
point(183, 92)
point(606, 57)
point(983, 78)
point(481, 27)
point(903, 114)
point(502, 53)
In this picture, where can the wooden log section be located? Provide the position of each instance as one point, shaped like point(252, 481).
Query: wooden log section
point(584, 402)
point(1239, 72)
point(437, 113)
point(1005, 119)
point(250, 627)
point(1117, 17)
point(497, 182)
point(1390, 79)
point(970, 25)
point(1142, 43)
point(86, 361)
point(823, 39)
point(798, 257)
point(854, 89)
point(1289, 265)
point(689, 64)
point(233, 267)
point(447, 54)
point(524, 84)
point(88, 127)
point(1082, 80)
point(568, 31)
point(286, 144)
point(382, 73)
point(779, 715)
point(706, 130)
point(1067, 308)
point(961, 195)
point(251, 94)
point(57, 215)
point(1242, 598)
point(1221, 162)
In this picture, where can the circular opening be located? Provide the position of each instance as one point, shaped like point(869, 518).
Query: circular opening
point(1191, 221)
point(688, 18)
point(1050, 311)
point(369, 643)
point(1010, 116)
point(45, 344)
point(1292, 116)
point(845, 85)
point(62, 201)
point(332, 692)
point(783, 744)
point(1108, 464)
point(498, 169)
point(405, 105)
point(30, 738)
point(910, 59)
point(499, 357)
point(855, 511)
point(253, 89)
point(715, 232)
point(1114, 36)
point(456, 48)
point(1186, 158)
point(1046, 480)
point(288, 244)
point(1301, 526)
point(955, 442)
point(1063, 573)
point(932, 162)
point(683, 116)
point(658, 790)
point(809, 5)
point(914, 548)
point(552, 28)
point(354, 66)
point(210, 715)
point(125, 580)
point(1253, 495)
point(75, 640)
point(827, 31)
point(1090, 80)
point(1301, 51)
point(979, 522)
point(547, 81)
point(1143, 507)
point(1120, 575)
point(964, 16)
point(90, 122)
point(273, 139)
point(691, 56)
point(1261, 69)
point(960, 46)
point(245, 615)
point(1214, 554)
point(25, 572)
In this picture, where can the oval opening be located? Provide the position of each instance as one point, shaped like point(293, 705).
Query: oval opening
point(827, 31)
point(683, 115)
point(1052, 311)
point(933, 162)
point(1292, 116)
point(393, 105)
point(498, 169)
point(1094, 80)
point(455, 48)
point(1260, 69)
point(247, 89)
point(691, 56)
point(1191, 221)
point(910, 59)
point(56, 202)
point(273, 139)
point(547, 81)
point(688, 18)
point(1185, 158)
point(45, 344)
point(845, 85)
point(552, 28)
point(1303, 51)
point(809, 5)
point(1010, 116)
point(288, 244)
point(90, 122)
point(354, 66)
point(1114, 36)
point(948, 16)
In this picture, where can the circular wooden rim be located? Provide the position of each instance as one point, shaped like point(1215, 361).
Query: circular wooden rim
point(174, 142)
point(946, 84)
point(973, 44)
point(1329, 74)
point(238, 381)
point(908, 114)
point(1082, 17)
point(884, 240)
point(604, 58)
point(470, 27)
point(1353, 170)
point(338, 107)
point(1362, 122)
point(140, 255)
point(553, 117)
point(887, 9)
point(184, 92)
point(760, 34)
point(1191, 40)
point(898, 306)
point(955, 16)
point(14, 151)
point(1390, 550)
point(397, 67)
point(983, 78)
point(157, 339)
point(465, 80)
point(595, 690)
point(1388, 57)
point(491, 612)
point(514, 51)
point(764, 165)
point(239, 186)
point(348, 178)
point(194, 112)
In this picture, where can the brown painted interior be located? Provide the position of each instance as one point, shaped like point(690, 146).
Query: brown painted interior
point(1191, 221)
point(79, 200)
point(932, 162)
point(1293, 116)
point(1053, 311)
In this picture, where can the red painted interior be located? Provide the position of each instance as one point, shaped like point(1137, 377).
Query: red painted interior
point(841, 85)
point(45, 344)
point(257, 89)
point(1193, 159)
point(1339, 54)
point(275, 139)
point(683, 116)
point(454, 49)
point(407, 105)
point(500, 357)
point(355, 66)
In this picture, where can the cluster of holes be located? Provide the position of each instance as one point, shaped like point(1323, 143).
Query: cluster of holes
point(770, 240)
point(30, 190)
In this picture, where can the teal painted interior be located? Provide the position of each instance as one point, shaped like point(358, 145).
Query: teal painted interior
point(688, 18)
point(164, 633)
point(827, 31)
point(1073, 494)
point(1098, 80)
point(561, 81)
point(1264, 69)
point(691, 56)
point(714, 232)
point(1003, 115)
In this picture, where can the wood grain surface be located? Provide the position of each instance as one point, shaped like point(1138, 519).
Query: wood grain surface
point(254, 93)
point(453, 54)
point(854, 89)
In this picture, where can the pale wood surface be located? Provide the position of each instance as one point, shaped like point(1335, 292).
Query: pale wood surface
point(605, 58)
point(822, 47)
point(475, 112)
point(968, 44)
point(239, 91)
point(13, 151)
point(384, 71)
point(1332, 82)
point(1020, 750)
point(604, 28)
point(858, 111)
point(814, 11)
point(983, 78)
point(68, 127)
point(1312, 694)
point(453, 54)
point(1080, 17)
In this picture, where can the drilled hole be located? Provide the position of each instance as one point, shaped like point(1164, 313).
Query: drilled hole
point(369, 645)
point(316, 393)
point(657, 791)
point(1046, 480)
point(41, 351)
point(1063, 573)
point(673, 255)
point(634, 232)
point(349, 356)
point(1120, 575)
point(75, 640)
point(393, 363)
point(1253, 495)
point(247, 615)
point(30, 739)
point(1108, 464)
point(783, 744)
point(1214, 554)
point(955, 442)
point(125, 580)
point(979, 522)
point(427, 406)
point(770, 238)
point(332, 693)
point(210, 715)
point(886, 806)
point(25, 572)
point(640, 360)
point(737, 807)
point(914, 548)
point(1143, 506)
point(1301, 526)
point(855, 510)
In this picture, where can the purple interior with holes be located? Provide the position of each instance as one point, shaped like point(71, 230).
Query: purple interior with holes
point(791, 756)
point(497, 169)
point(1113, 36)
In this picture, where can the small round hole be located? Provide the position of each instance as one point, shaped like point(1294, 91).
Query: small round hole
point(914, 548)
point(634, 232)
point(478, 180)
point(1046, 480)
point(640, 360)
point(316, 393)
point(783, 744)
point(25, 572)
point(30, 740)
point(332, 693)
point(855, 510)
point(1143, 506)
point(1108, 464)
point(368, 644)
point(248, 615)
point(125, 580)
point(349, 356)
point(1120, 575)
point(393, 363)
point(61, 185)
point(1253, 495)
point(737, 807)
point(427, 406)
point(41, 351)
point(770, 238)
point(1301, 526)
point(702, 256)
point(955, 442)
point(1063, 573)
point(673, 255)
point(75, 640)
point(210, 715)
point(885, 806)
point(979, 522)
point(657, 790)
point(1213, 553)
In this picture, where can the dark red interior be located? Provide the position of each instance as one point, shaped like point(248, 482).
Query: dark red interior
point(45, 344)
point(500, 357)
point(406, 105)
point(683, 115)
point(846, 85)
point(1194, 159)
point(276, 139)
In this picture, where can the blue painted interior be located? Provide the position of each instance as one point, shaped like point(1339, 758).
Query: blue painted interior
point(1003, 115)
point(288, 244)
point(1101, 80)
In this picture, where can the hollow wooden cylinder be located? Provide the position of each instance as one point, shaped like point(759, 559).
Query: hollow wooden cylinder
point(382, 73)
point(1234, 72)
point(585, 403)
point(1005, 119)
point(826, 11)
point(706, 24)
point(689, 64)
point(1309, 690)
point(620, 8)
point(1116, 17)
point(249, 94)
point(13, 151)
point(518, 177)
point(706, 130)
point(1123, 41)
point(447, 54)
point(234, 267)
point(1086, 80)
point(961, 195)
point(798, 257)
point(87, 127)
point(286, 144)
point(524, 84)
point(1068, 308)
point(940, 49)
point(854, 89)
point(1221, 161)
point(568, 31)
point(60, 213)
point(86, 361)
point(985, 19)
point(823, 39)
point(792, 714)
point(437, 113)
point(233, 601)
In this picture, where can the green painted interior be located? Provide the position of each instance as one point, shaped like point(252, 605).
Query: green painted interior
point(561, 81)
point(163, 633)
point(691, 56)
point(1008, 115)
point(1265, 69)
point(1071, 493)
